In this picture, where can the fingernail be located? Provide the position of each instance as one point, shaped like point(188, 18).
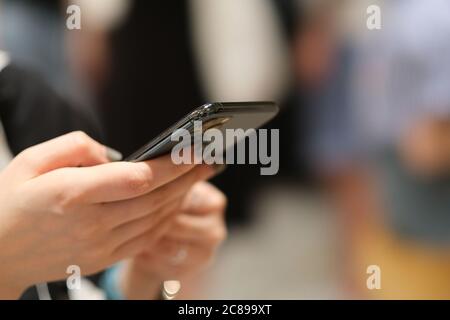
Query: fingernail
point(219, 168)
point(113, 155)
point(170, 289)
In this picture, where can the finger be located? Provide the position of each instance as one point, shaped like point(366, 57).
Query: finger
point(115, 181)
point(167, 249)
point(204, 198)
point(139, 243)
point(137, 207)
point(70, 150)
point(133, 179)
point(204, 229)
point(151, 223)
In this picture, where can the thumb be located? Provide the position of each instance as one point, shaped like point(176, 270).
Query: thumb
point(75, 149)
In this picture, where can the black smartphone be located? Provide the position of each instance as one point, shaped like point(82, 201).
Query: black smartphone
point(219, 115)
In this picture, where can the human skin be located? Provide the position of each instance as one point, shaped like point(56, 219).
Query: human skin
point(196, 224)
point(425, 146)
point(63, 203)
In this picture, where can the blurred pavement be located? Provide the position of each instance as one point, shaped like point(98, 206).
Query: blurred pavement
point(291, 251)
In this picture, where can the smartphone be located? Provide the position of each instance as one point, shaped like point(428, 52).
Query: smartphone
point(219, 115)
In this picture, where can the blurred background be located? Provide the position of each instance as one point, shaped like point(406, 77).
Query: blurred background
point(364, 126)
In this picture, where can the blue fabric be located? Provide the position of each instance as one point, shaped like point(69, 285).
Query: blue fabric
point(108, 283)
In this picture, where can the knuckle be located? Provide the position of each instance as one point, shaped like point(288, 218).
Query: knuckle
point(66, 199)
point(218, 235)
point(81, 141)
point(138, 180)
point(78, 135)
point(217, 198)
point(25, 157)
point(221, 199)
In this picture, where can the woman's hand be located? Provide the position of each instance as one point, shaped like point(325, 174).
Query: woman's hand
point(62, 203)
point(184, 245)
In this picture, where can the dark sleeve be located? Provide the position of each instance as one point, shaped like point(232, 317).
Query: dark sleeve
point(31, 112)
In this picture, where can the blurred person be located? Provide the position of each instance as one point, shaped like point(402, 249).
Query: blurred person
point(56, 195)
point(382, 157)
point(34, 35)
point(324, 56)
point(31, 33)
point(402, 104)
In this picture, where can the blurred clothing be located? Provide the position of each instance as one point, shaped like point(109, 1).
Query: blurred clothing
point(152, 77)
point(332, 142)
point(416, 208)
point(402, 77)
point(241, 49)
point(31, 112)
point(402, 72)
point(33, 33)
